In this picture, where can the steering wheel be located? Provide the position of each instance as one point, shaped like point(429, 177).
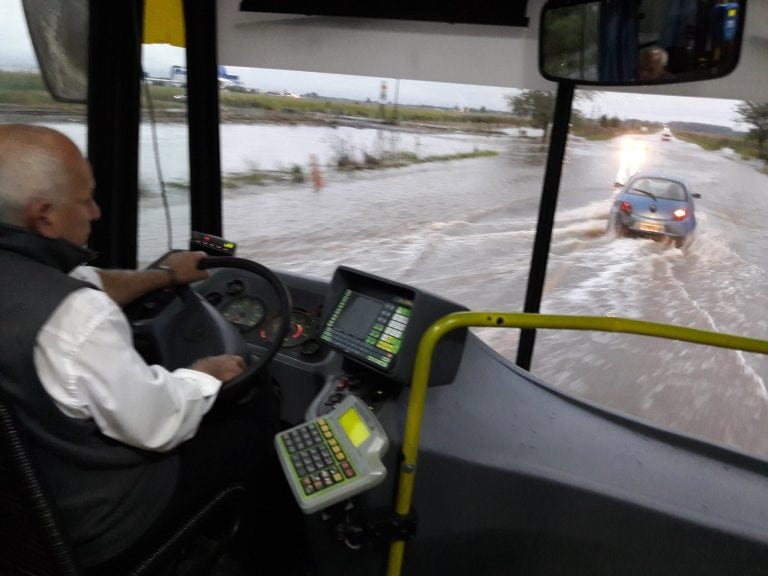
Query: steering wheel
point(175, 327)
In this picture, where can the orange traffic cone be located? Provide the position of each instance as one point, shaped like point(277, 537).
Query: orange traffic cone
point(317, 178)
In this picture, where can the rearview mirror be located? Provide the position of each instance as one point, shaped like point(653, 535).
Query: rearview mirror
point(631, 42)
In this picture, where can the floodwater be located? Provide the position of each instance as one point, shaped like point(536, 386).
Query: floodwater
point(464, 229)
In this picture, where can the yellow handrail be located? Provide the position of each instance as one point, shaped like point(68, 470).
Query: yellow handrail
point(457, 320)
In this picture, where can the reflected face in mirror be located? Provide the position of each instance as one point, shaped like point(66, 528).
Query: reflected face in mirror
point(630, 42)
point(652, 63)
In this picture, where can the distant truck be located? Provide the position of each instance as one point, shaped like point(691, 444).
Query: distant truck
point(178, 77)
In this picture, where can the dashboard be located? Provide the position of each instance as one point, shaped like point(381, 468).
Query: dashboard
point(355, 335)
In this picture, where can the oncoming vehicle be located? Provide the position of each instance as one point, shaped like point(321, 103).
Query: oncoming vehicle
point(655, 205)
point(666, 134)
point(397, 294)
point(633, 155)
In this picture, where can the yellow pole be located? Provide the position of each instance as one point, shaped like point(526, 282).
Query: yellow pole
point(457, 320)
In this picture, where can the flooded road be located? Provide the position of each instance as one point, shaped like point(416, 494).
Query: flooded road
point(464, 229)
point(717, 282)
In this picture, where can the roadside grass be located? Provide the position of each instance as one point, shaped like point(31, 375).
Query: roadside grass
point(740, 144)
point(28, 89)
point(371, 110)
point(256, 177)
point(595, 132)
point(296, 174)
point(345, 163)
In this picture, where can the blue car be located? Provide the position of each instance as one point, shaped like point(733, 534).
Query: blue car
point(656, 206)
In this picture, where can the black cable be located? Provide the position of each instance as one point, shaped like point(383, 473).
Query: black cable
point(156, 150)
point(153, 125)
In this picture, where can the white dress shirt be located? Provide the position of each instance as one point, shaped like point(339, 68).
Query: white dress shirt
point(86, 361)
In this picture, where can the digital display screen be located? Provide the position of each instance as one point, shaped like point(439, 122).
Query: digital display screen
point(354, 426)
point(359, 315)
point(367, 328)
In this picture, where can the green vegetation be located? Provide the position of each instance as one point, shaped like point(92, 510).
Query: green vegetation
point(755, 114)
point(400, 159)
point(539, 107)
point(606, 128)
point(528, 108)
point(26, 89)
point(744, 146)
point(369, 110)
point(254, 177)
point(295, 174)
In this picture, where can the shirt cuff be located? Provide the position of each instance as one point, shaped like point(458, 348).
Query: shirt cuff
point(88, 274)
point(207, 385)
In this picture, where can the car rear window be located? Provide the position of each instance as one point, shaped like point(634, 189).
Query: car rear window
point(660, 188)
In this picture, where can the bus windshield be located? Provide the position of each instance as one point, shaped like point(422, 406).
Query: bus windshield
point(438, 185)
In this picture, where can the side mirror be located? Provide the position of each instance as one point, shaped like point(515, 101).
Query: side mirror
point(634, 42)
point(695, 194)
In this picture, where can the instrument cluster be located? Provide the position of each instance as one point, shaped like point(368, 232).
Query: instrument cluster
point(248, 303)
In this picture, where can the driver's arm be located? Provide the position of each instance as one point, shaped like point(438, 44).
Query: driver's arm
point(124, 286)
point(86, 361)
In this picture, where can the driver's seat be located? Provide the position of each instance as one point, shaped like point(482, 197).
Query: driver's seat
point(32, 542)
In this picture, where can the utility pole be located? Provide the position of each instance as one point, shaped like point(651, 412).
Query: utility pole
point(396, 118)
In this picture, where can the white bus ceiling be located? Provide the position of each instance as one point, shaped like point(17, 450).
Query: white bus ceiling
point(429, 51)
point(484, 55)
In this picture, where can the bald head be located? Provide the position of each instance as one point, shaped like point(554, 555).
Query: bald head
point(652, 63)
point(46, 184)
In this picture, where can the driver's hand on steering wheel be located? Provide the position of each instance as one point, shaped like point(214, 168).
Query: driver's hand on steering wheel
point(184, 265)
point(224, 367)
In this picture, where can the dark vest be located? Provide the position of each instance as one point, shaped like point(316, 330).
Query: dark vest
point(106, 492)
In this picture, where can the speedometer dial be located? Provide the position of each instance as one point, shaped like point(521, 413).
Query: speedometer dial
point(245, 312)
point(301, 329)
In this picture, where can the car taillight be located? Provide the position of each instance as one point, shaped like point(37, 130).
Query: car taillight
point(626, 207)
point(680, 214)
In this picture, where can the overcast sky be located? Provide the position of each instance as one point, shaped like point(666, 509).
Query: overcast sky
point(17, 54)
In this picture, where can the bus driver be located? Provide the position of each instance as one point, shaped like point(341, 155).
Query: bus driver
point(124, 447)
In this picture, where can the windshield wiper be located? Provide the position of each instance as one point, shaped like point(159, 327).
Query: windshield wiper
point(644, 192)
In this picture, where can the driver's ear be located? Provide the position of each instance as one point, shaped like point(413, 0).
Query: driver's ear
point(37, 217)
